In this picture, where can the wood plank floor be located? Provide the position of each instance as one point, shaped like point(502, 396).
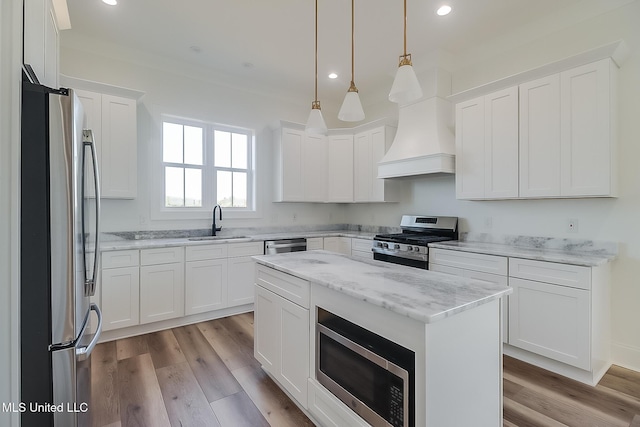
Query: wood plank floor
point(205, 375)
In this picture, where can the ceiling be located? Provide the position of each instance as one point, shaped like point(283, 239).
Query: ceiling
point(269, 43)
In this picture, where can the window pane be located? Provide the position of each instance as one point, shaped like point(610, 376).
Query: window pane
point(193, 145)
point(193, 187)
point(174, 186)
point(171, 142)
point(239, 190)
point(224, 189)
point(239, 154)
point(222, 142)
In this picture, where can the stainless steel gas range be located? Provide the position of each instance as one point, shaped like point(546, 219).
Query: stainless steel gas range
point(410, 246)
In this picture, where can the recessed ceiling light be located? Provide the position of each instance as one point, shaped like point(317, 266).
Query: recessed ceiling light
point(110, 2)
point(333, 76)
point(443, 10)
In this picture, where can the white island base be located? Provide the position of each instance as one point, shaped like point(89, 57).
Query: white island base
point(458, 368)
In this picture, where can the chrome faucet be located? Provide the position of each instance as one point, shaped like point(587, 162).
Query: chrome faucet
point(215, 229)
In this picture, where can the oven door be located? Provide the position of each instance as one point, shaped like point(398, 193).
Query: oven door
point(370, 385)
point(411, 262)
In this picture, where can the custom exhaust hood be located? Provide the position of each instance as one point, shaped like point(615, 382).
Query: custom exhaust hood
point(424, 142)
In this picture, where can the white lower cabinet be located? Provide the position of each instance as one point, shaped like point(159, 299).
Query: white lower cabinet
point(341, 245)
point(314, 243)
point(551, 320)
point(240, 280)
point(361, 248)
point(120, 299)
point(205, 288)
point(327, 409)
point(281, 336)
point(161, 292)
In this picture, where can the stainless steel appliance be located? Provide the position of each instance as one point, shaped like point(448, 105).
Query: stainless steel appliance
point(284, 245)
point(410, 246)
point(59, 257)
point(372, 375)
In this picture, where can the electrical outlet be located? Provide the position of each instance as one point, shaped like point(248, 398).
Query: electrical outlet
point(294, 216)
point(143, 220)
point(488, 223)
point(572, 225)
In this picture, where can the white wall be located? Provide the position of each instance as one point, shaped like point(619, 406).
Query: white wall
point(194, 96)
point(599, 219)
point(11, 48)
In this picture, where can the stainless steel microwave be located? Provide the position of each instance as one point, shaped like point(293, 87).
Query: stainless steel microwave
point(373, 376)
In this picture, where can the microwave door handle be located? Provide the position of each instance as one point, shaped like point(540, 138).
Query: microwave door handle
point(90, 284)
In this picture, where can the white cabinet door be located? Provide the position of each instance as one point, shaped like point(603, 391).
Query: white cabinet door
point(341, 245)
point(241, 278)
point(362, 167)
point(290, 164)
point(267, 330)
point(119, 148)
point(586, 139)
point(551, 320)
point(540, 137)
point(314, 168)
point(161, 292)
point(340, 168)
point(470, 158)
point(205, 285)
point(501, 144)
point(294, 349)
point(41, 40)
point(120, 295)
point(314, 243)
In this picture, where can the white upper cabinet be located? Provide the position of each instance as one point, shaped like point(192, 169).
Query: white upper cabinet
point(314, 168)
point(113, 122)
point(540, 137)
point(560, 142)
point(487, 146)
point(290, 187)
point(340, 168)
point(369, 148)
point(587, 136)
point(41, 40)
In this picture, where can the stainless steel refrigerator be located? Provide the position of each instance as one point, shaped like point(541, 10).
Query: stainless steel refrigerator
point(59, 258)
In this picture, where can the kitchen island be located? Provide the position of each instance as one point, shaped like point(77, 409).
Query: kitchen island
point(451, 326)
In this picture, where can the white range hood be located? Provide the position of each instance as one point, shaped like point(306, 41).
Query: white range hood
point(424, 142)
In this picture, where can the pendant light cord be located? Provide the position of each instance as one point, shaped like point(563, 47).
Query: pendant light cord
point(316, 93)
point(405, 27)
point(352, 43)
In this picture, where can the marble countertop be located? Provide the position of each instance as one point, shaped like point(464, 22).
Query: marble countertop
point(423, 295)
point(118, 245)
point(568, 255)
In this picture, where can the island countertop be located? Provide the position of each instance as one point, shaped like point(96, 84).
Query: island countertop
point(423, 295)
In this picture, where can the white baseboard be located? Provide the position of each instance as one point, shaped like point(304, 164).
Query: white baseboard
point(626, 356)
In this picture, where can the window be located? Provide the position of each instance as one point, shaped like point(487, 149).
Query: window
point(204, 165)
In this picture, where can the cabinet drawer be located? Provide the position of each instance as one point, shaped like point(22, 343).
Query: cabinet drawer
point(314, 243)
point(362, 254)
point(551, 272)
point(363, 245)
point(116, 259)
point(468, 260)
point(245, 249)
point(161, 256)
point(285, 285)
point(200, 252)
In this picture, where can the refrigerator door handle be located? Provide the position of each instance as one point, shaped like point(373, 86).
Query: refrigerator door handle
point(87, 140)
point(84, 352)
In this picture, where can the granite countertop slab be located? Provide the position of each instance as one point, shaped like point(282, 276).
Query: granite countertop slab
point(571, 254)
point(422, 295)
point(118, 245)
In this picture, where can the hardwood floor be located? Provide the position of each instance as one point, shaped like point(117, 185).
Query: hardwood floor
point(205, 375)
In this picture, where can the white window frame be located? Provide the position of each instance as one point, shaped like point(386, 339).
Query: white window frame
point(158, 209)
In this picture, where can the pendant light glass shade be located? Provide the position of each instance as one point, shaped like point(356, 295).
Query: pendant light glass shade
point(351, 110)
point(315, 122)
point(406, 87)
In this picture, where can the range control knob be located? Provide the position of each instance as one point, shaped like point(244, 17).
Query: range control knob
point(409, 248)
point(385, 245)
point(379, 244)
point(396, 246)
point(416, 249)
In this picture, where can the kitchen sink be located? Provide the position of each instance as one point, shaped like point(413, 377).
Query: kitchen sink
point(217, 238)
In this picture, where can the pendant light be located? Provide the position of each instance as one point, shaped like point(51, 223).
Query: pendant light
point(315, 122)
point(405, 86)
point(351, 110)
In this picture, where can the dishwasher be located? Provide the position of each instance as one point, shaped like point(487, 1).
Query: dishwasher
point(284, 245)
